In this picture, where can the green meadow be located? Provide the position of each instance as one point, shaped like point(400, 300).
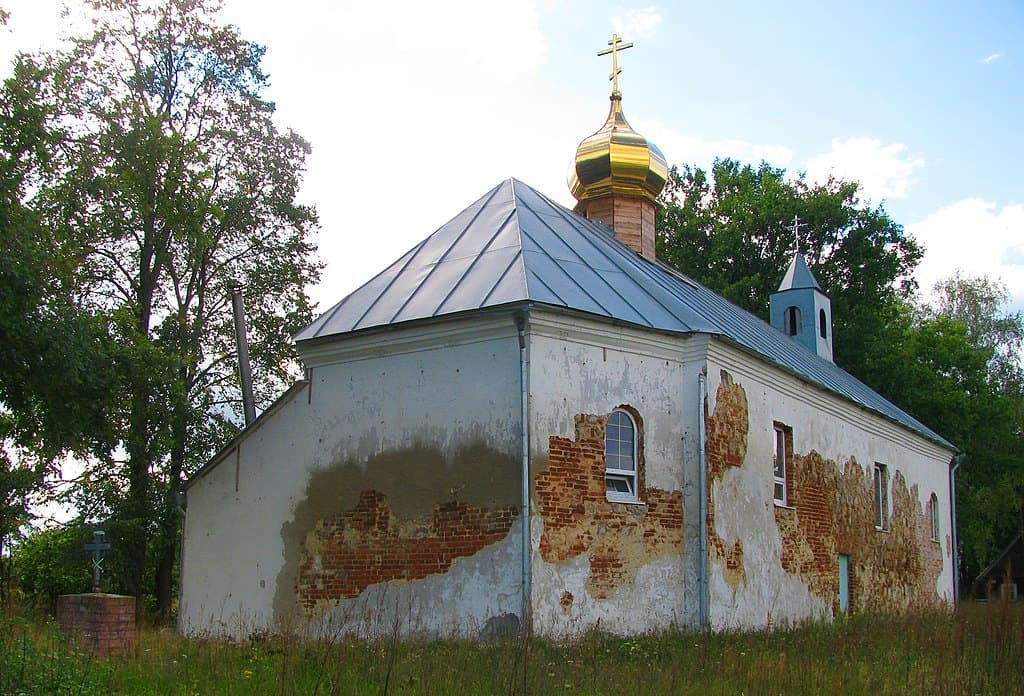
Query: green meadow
point(979, 649)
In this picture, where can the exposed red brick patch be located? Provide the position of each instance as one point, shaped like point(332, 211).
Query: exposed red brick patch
point(618, 539)
point(346, 553)
point(566, 601)
point(833, 513)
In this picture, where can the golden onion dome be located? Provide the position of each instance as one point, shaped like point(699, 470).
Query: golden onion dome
point(617, 160)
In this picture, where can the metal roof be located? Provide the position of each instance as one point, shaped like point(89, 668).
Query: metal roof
point(798, 275)
point(515, 245)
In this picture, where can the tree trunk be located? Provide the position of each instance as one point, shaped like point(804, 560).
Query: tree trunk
point(170, 520)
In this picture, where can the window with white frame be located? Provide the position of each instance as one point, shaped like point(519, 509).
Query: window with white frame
point(783, 446)
point(933, 516)
point(881, 496)
point(620, 456)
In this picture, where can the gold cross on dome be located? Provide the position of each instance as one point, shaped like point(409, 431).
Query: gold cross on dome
point(616, 46)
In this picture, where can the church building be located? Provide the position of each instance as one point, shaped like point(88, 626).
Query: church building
point(529, 421)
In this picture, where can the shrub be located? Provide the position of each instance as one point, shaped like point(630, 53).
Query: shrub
point(51, 562)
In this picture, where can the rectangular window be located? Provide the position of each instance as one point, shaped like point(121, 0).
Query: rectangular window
point(783, 448)
point(881, 496)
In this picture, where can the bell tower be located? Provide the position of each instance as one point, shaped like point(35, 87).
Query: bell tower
point(800, 309)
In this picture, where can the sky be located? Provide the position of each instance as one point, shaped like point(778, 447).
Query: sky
point(416, 109)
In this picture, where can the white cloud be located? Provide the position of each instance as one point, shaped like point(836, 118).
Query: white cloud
point(680, 148)
point(978, 238)
point(636, 23)
point(412, 113)
point(992, 58)
point(884, 171)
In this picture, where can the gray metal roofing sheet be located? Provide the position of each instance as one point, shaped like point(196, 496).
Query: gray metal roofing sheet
point(516, 245)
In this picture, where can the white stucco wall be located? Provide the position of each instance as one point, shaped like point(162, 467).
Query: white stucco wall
point(743, 497)
point(394, 412)
point(371, 404)
point(581, 367)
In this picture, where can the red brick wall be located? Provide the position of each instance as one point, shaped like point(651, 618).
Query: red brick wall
point(100, 624)
point(348, 552)
point(617, 538)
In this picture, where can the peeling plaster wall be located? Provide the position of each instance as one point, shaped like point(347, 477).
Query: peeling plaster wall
point(771, 564)
point(387, 488)
point(623, 567)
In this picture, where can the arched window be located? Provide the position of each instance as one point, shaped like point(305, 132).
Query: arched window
point(620, 456)
point(822, 323)
point(791, 321)
point(933, 516)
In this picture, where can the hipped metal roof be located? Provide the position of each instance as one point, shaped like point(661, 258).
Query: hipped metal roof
point(514, 245)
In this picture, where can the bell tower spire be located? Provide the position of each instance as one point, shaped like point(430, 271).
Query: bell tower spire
point(799, 308)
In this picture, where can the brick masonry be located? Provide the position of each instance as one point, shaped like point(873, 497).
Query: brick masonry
point(617, 538)
point(631, 217)
point(346, 553)
point(830, 512)
point(100, 624)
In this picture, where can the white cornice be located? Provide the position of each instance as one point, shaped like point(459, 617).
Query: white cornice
point(662, 345)
point(410, 338)
point(740, 362)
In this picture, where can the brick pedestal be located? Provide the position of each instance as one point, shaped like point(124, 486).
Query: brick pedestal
point(101, 624)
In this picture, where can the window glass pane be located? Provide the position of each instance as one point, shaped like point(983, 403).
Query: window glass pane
point(780, 491)
point(780, 454)
point(618, 484)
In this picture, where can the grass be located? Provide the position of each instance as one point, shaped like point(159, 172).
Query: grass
point(977, 650)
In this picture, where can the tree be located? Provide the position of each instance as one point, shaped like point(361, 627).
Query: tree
point(54, 384)
point(730, 232)
point(174, 183)
point(990, 486)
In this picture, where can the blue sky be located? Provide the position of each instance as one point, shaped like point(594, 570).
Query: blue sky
point(416, 109)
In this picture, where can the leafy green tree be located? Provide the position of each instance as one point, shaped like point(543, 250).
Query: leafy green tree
point(174, 183)
point(990, 428)
point(54, 381)
point(730, 230)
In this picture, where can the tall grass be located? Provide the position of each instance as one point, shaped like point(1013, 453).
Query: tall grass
point(977, 650)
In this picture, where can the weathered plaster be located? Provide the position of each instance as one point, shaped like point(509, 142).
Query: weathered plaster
point(832, 512)
point(772, 562)
point(423, 415)
point(581, 367)
point(401, 516)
